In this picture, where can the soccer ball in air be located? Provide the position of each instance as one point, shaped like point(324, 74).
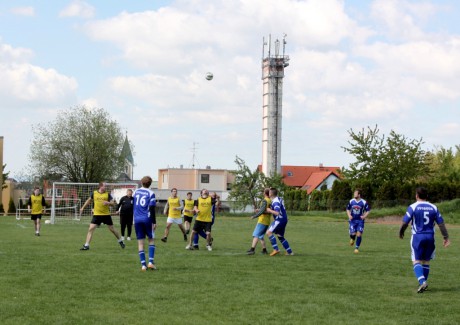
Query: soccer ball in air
point(47, 222)
point(209, 76)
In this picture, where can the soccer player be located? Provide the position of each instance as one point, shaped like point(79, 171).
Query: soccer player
point(145, 221)
point(278, 226)
point(423, 215)
point(215, 207)
point(173, 210)
point(262, 224)
point(102, 201)
point(203, 222)
point(126, 213)
point(357, 211)
point(36, 207)
point(188, 203)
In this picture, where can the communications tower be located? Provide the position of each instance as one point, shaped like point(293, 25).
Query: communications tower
point(273, 64)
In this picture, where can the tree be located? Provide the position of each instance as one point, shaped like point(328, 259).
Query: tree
point(80, 145)
point(380, 159)
point(4, 177)
point(247, 187)
point(444, 164)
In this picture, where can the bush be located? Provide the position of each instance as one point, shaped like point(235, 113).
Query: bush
point(11, 206)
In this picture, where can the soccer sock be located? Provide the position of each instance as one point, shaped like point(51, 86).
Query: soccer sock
point(142, 257)
point(195, 240)
point(418, 271)
point(151, 253)
point(353, 237)
point(426, 271)
point(358, 241)
point(273, 242)
point(202, 234)
point(286, 246)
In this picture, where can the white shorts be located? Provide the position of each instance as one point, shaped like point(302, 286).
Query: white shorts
point(177, 221)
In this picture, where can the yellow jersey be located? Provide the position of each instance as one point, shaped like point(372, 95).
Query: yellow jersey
point(173, 203)
point(188, 205)
point(205, 207)
point(99, 208)
point(265, 218)
point(36, 203)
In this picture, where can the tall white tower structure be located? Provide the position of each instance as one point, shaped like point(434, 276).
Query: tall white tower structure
point(273, 64)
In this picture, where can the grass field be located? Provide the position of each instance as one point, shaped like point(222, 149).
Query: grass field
point(48, 280)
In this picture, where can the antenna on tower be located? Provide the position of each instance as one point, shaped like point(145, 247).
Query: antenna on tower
point(194, 149)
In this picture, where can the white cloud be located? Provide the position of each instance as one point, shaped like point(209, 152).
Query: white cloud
point(23, 11)
point(78, 8)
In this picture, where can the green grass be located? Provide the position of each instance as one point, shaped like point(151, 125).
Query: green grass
point(48, 280)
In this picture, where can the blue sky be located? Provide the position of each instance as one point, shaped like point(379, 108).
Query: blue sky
point(353, 64)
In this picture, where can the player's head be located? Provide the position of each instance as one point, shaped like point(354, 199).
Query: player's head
point(129, 192)
point(204, 193)
point(36, 190)
point(273, 192)
point(174, 192)
point(357, 193)
point(421, 193)
point(102, 186)
point(146, 181)
point(189, 195)
point(267, 192)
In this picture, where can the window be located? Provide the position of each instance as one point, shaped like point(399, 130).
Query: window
point(290, 174)
point(204, 178)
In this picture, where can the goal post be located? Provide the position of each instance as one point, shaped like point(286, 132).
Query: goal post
point(68, 198)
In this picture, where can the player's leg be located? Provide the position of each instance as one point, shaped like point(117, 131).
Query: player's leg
point(122, 226)
point(129, 226)
point(208, 226)
point(38, 224)
point(279, 231)
point(109, 222)
point(89, 236)
point(194, 234)
point(417, 252)
point(272, 238)
point(141, 230)
point(352, 232)
point(151, 237)
point(181, 227)
point(166, 234)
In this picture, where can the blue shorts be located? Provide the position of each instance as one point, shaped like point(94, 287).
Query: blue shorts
point(144, 229)
point(356, 225)
point(422, 247)
point(278, 228)
point(259, 231)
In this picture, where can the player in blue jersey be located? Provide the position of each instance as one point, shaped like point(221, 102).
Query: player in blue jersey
point(423, 215)
point(145, 221)
point(278, 226)
point(357, 211)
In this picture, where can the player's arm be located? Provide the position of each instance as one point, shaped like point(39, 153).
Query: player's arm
point(365, 214)
point(262, 209)
point(29, 204)
point(181, 207)
point(403, 228)
point(195, 207)
point(165, 211)
point(274, 212)
point(153, 214)
point(85, 204)
point(43, 204)
point(349, 214)
point(445, 234)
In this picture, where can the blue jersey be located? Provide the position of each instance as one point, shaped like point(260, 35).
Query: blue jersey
point(423, 215)
point(144, 198)
point(278, 205)
point(357, 208)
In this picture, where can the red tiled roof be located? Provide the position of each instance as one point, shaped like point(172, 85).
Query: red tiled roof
point(297, 176)
point(315, 180)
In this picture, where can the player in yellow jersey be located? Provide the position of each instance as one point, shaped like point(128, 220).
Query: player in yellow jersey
point(173, 210)
point(36, 208)
point(102, 202)
point(188, 212)
point(262, 224)
point(203, 222)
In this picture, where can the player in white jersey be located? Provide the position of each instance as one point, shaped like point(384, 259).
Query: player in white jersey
point(423, 215)
point(145, 221)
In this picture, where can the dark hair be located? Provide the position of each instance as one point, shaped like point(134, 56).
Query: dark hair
point(359, 191)
point(421, 193)
point(189, 193)
point(146, 181)
point(274, 191)
point(174, 189)
point(267, 191)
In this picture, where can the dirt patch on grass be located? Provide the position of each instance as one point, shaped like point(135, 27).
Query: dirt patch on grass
point(388, 220)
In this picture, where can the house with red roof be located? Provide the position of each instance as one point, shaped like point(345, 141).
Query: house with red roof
point(309, 178)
